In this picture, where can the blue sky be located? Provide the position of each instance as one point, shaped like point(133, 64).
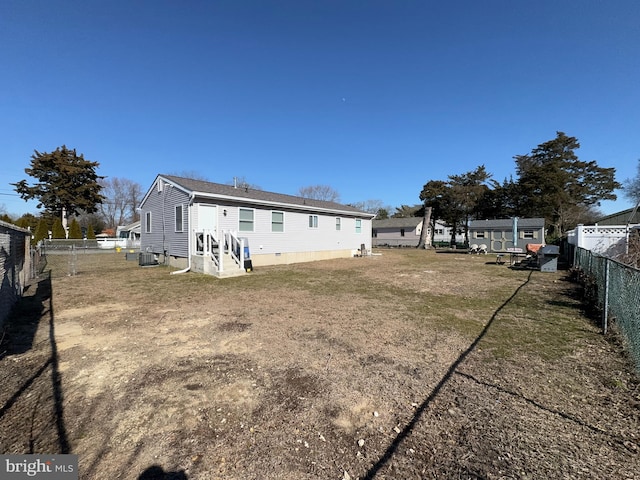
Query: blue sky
point(374, 98)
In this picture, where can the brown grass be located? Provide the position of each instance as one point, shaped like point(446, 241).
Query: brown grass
point(446, 365)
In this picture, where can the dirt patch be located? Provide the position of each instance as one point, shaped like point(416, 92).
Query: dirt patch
point(406, 365)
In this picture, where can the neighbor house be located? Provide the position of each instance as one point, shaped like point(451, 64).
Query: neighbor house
point(405, 232)
point(497, 235)
point(223, 229)
point(609, 236)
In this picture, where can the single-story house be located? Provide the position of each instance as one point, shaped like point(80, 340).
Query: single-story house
point(621, 218)
point(396, 232)
point(224, 229)
point(497, 235)
point(405, 232)
point(129, 235)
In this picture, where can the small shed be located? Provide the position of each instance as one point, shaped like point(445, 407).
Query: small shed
point(497, 234)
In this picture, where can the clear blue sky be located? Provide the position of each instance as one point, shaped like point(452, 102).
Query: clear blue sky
point(373, 98)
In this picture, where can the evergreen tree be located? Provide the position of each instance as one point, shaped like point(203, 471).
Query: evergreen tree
point(553, 181)
point(57, 231)
point(42, 230)
point(90, 233)
point(66, 183)
point(75, 231)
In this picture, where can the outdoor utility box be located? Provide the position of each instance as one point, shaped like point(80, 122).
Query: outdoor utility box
point(548, 258)
point(248, 265)
point(146, 259)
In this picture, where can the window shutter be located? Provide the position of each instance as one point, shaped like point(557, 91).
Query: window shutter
point(535, 234)
point(521, 234)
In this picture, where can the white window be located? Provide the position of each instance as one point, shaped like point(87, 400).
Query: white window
point(338, 224)
point(246, 220)
point(277, 221)
point(479, 234)
point(179, 219)
point(313, 221)
point(528, 234)
point(147, 222)
point(358, 225)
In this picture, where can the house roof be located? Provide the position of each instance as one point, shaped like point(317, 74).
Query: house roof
point(507, 223)
point(229, 192)
point(620, 218)
point(403, 222)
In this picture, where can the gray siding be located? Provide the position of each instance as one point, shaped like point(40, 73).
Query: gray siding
point(14, 266)
point(163, 237)
point(500, 239)
point(393, 236)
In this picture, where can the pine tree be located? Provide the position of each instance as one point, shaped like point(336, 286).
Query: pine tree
point(58, 230)
point(90, 233)
point(42, 231)
point(75, 231)
point(65, 184)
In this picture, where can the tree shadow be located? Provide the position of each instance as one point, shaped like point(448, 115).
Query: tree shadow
point(23, 322)
point(393, 447)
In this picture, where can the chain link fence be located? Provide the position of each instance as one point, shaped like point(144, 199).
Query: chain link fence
point(615, 289)
point(66, 258)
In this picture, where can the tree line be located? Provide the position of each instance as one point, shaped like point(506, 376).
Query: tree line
point(551, 182)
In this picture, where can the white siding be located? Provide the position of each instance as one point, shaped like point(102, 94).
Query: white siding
point(297, 236)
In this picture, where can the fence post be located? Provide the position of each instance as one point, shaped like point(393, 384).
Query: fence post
point(605, 313)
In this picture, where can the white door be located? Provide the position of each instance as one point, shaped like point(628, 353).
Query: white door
point(208, 219)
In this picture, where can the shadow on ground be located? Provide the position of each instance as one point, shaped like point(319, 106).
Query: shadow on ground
point(32, 396)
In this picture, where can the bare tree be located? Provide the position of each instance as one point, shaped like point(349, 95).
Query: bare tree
point(242, 182)
point(122, 199)
point(371, 206)
point(319, 192)
point(192, 174)
point(632, 187)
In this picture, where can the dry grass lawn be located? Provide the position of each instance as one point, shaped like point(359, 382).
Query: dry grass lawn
point(408, 364)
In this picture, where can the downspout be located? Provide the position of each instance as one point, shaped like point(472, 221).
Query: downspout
point(185, 270)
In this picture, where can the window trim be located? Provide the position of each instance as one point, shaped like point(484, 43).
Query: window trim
point(178, 208)
point(277, 223)
point(338, 224)
point(313, 221)
point(246, 222)
point(358, 225)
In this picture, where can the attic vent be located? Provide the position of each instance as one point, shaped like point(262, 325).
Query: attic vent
point(160, 184)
